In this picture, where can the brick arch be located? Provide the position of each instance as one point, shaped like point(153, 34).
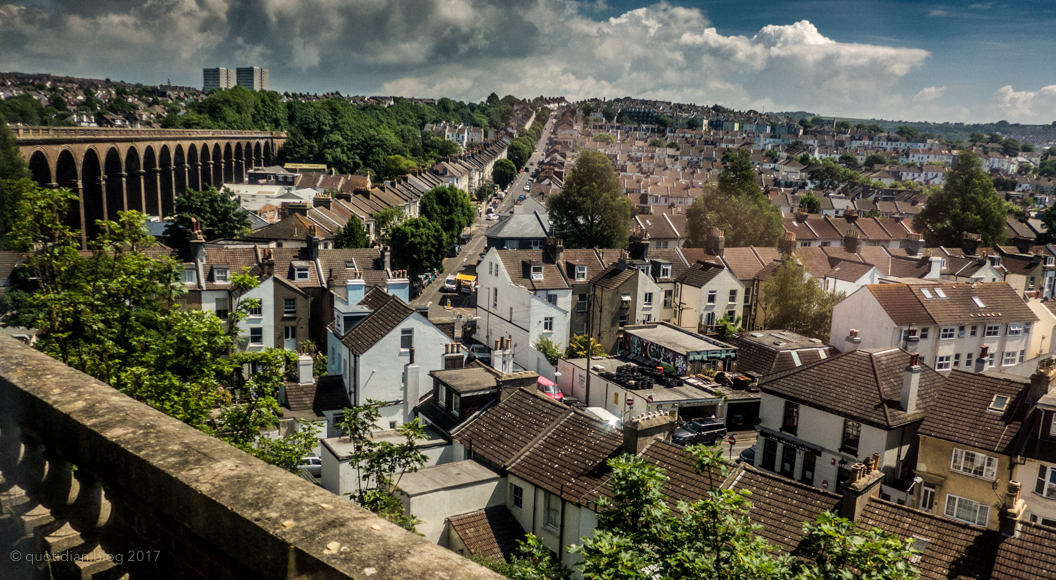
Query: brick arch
point(151, 181)
point(41, 167)
point(194, 168)
point(239, 167)
point(94, 193)
point(134, 196)
point(114, 175)
point(205, 157)
point(229, 163)
point(218, 165)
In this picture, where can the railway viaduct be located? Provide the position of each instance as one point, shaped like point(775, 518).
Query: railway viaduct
point(114, 170)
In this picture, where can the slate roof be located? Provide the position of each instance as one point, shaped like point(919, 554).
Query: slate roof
point(754, 354)
point(953, 550)
point(744, 263)
point(699, 275)
point(581, 257)
point(848, 271)
point(502, 432)
point(966, 418)
point(368, 264)
point(612, 277)
point(324, 394)
point(521, 226)
point(292, 227)
point(864, 385)
point(906, 304)
point(491, 532)
point(388, 313)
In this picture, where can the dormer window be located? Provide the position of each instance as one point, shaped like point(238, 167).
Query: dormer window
point(537, 272)
point(581, 272)
point(220, 275)
point(665, 271)
point(300, 273)
point(1050, 260)
point(190, 276)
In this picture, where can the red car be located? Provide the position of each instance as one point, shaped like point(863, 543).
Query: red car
point(552, 391)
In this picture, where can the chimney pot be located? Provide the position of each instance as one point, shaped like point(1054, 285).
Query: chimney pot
point(911, 384)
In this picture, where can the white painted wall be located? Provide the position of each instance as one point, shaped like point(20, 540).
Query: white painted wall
point(265, 292)
point(433, 509)
point(1037, 505)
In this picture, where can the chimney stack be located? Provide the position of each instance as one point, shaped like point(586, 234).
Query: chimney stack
point(304, 370)
point(802, 215)
point(1011, 509)
point(453, 358)
point(1043, 379)
point(863, 484)
point(970, 243)
point(914, 244)
point(386, 258)
point(787, 243)
point(853, 340)
point(716, 242)
point(639, 431)
point(852, 240)
point(982, 362)
point(911, 384)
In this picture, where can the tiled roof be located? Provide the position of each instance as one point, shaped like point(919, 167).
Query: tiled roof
point(389, 313)
point(1029, 555)
point(612, 277)
point(864, 385)
point(292, 227)
point(848, 271)
point(951, 550)
point(516, 263)
point(907, 304)
point(368, 264)
point(744, 263)
point(504, 430)
point(966, 417)
point(764, 359)
point(781, 506)
point(284, 269)
point(491, 532)
point(325, 394)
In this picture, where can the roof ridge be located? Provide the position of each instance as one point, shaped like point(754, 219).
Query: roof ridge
point(879, 389)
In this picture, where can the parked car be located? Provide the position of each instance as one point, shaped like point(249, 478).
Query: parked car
point(527, 187)
point(450, 284)
point(465, 239)
point(467, 288)
point(552, 391)
point(521, 197)
point(747, 456)
point(480, 258)
point(480, 352)
point(493, 217)
point(454, 250)
point(312, 464)
point(697, 431)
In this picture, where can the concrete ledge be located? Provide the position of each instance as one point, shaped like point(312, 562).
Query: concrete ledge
point(213, 511)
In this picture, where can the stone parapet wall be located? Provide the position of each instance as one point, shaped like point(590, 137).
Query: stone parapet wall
point(151, 497)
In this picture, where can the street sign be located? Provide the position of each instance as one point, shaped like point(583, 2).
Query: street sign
point(731, 440)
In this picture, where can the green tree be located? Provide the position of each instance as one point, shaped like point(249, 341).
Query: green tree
point(217, 212)
point(609, 112)
point(604, 138)
point(874, 159)
point(693, 124)
point(842, 126)
point(450, 208)
point(418, 245)
point(519, 151)
point(112, 313)
point(729, 326)
point(967, 203)
point(380, 465)
point(663, 121)
point(591, 212)
point(1048, 218)
point(577, 347)
point(735, 205)
point(811, 203)
point(835, 548)
point(395, 166)
point(794, 300)
point(657, 142)
point(1010, 147)
point(977, 138)
point(14, 178)
point(673, 145)
point(353, 235)
point(385, 220)
point(1027, 147)
point(907, 132)
point(503, 173)
point(548, 348)
point(849, 160)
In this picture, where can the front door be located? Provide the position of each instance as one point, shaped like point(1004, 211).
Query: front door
point(290, 338)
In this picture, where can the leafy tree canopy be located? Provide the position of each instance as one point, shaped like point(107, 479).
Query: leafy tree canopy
point(353, 235)
point(548, 348)
point(418, 245)
point(577, 347)
point(811, 203)
point(591, 211)
point(503, 173)
point(385, 219)
point(794, 300)
point(217, 212)
point(735, 205)
point(967, 203)
point(450, 208)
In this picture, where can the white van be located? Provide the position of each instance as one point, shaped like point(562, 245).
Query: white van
point(449, 284)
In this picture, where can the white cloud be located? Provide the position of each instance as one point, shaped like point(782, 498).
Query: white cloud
point(468, 48)
point(938, 12)
point(1027, 106)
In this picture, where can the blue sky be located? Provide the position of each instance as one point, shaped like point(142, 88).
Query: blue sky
point(892, 59)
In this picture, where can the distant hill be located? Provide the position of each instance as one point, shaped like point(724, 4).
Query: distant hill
point(1039, 135)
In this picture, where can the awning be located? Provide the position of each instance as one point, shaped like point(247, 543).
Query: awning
point(466, 278)
point(546, 382)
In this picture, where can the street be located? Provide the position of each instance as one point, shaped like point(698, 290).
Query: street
point(466, 261)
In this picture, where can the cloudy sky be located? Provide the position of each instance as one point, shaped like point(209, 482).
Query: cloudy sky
point(891, 59)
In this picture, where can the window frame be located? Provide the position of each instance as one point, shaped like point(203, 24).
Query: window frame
point(258, 310)
point(581, 302)
point(1045, 484)
point(222, 313)
point(733, 296)
point(552, 511)
point(536, 272)
point(665, 270)
point(647, 299)
point(299, 270)
point(581, 272)
point(851, 438)
point(259, 331)
point(1015, 329)
point(948, 333)
point(406, 338)
point(286, 310)
point(790, 418)
point(943, 363)
point(988, 467)
point(548, 324)
point(221, 275)
point(980, 509)
point(1009, 358)
point(517, 496)
point(991, 330)
point(669, 298)
point(712, 296)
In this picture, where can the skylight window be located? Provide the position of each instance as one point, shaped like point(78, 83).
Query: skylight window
point(1000, 403)
point(978, 302)
point(940, 293)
